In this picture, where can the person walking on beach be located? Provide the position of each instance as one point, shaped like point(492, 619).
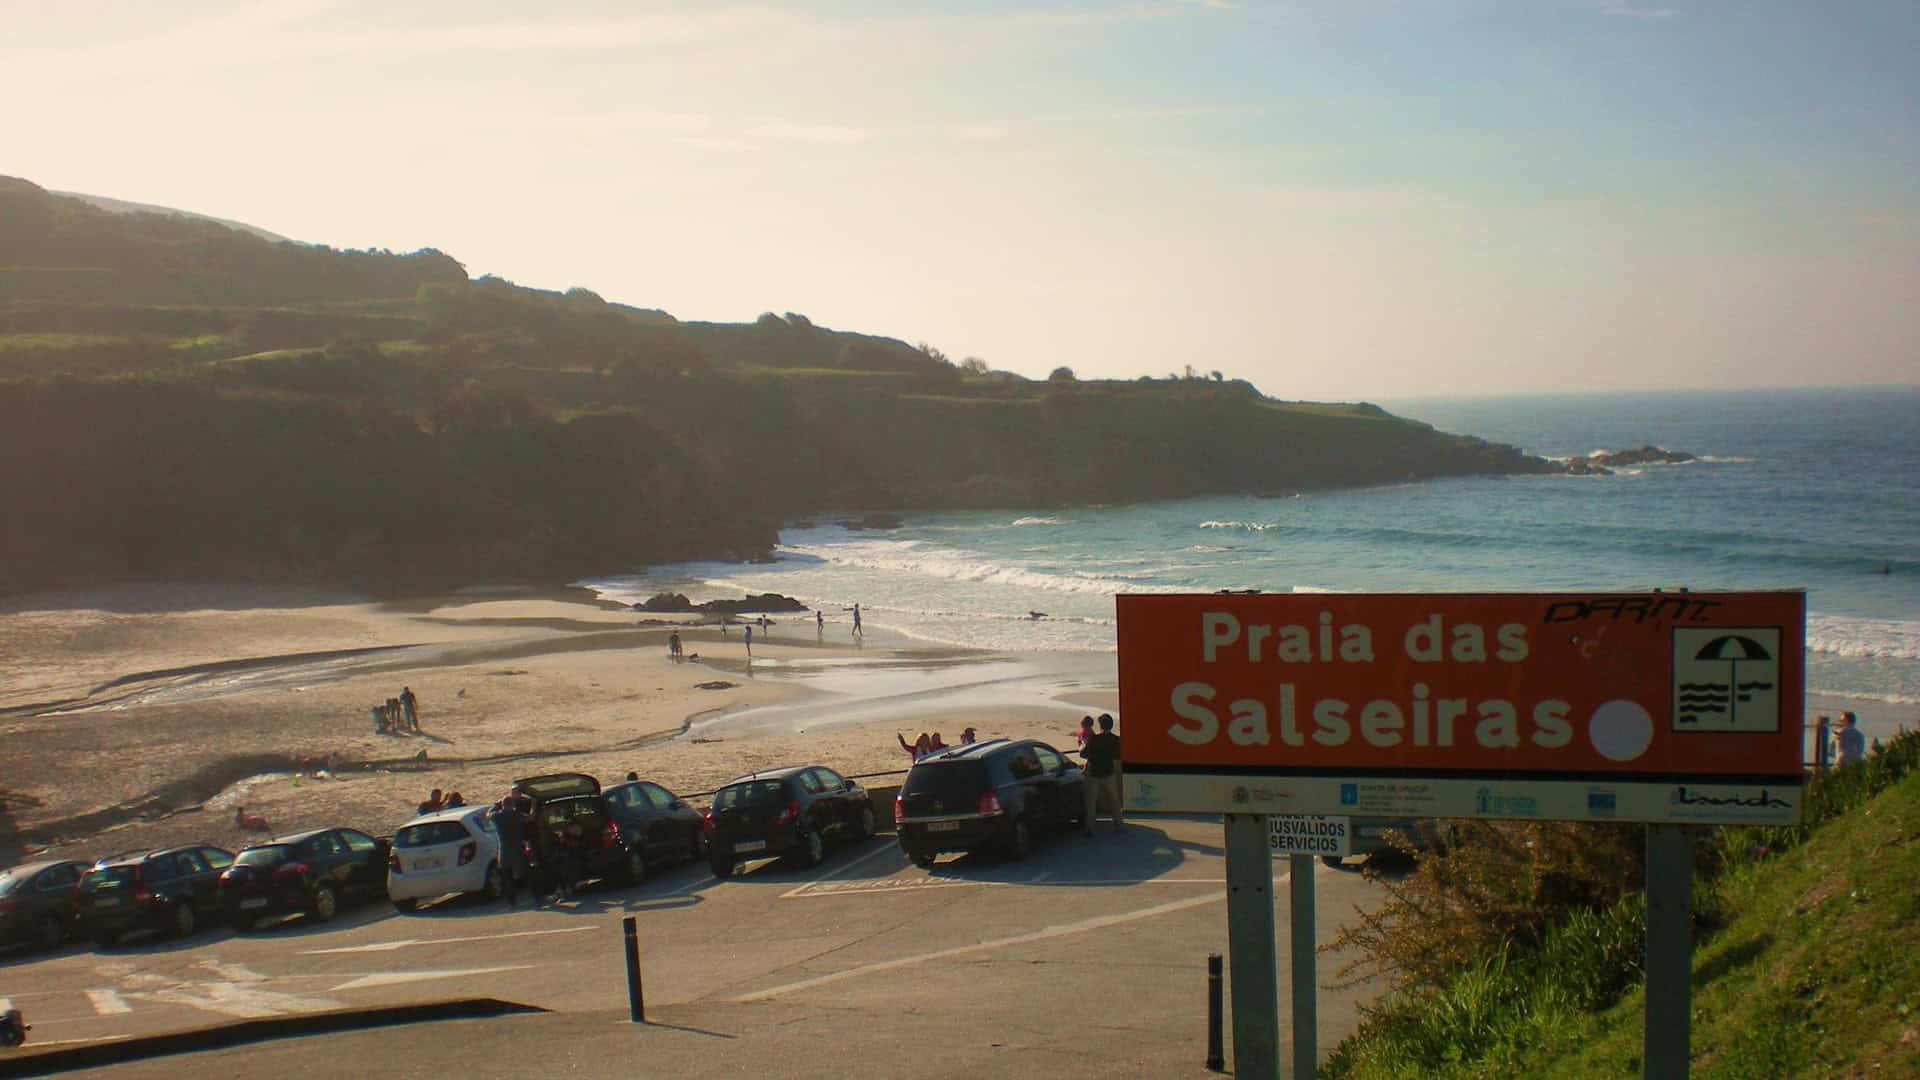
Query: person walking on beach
point(749, 631)
point(408, 703)
point(857, 632)
point(819, 623)
point(673, 647)
point(1102, 752)
point(1853, 741)
point(511, 825)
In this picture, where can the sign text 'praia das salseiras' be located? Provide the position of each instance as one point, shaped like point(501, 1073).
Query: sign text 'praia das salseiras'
point(1663, 707)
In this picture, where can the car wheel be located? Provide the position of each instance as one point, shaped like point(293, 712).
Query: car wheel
point(1334, 861)
point(241, 924)
point(866, 824)
point(495, 886)
point(183, 920)
point(325, 904)
point(636, 867)
point(406, 906)
point(814, 848)
point(106, 939)
point(721, 866)
point(1020, 840)
point(921, 859)
point(52, 932)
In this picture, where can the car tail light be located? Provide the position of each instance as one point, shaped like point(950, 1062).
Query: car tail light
point(899, 810)
point(791, 814)
point(467, 851)
point(707, 822)
point(609, 835)
point(6, 906)
point(527, 847)
point(393, 863)
point(291, 870)
point(141, 894)
point(990, 804)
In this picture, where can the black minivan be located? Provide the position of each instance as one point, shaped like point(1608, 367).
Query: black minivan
point(792, 811)
point(997, 793)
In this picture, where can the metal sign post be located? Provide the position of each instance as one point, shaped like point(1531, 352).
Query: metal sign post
point(1306, 1021)
point(1669, 960)
point(1255, 966)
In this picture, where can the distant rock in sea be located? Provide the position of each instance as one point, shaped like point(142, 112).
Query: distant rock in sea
point(1604, 462)
point(672, 601)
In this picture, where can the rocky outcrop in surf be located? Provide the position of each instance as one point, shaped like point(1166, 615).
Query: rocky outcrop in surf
point(1604, 462)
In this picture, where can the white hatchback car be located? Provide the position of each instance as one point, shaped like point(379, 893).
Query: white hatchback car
point(450, 851)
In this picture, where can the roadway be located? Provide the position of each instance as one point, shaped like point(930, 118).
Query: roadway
point(1087, 958)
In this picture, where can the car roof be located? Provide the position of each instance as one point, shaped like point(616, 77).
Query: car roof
point(781, 773)
point(32, 868)
point(290, 838)
point(454, 814)
point(130, 858)
point(969, 751)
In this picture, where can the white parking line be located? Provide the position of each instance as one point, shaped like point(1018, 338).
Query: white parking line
point(881, 850)
point(107, 1002)
point(389, 946)
point(1063, 930)
point(389, 978)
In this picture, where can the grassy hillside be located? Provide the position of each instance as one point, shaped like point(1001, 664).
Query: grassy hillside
point(1806, 964)
point(185, 399)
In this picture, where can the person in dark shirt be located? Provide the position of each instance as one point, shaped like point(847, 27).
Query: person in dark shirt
point(1102, 754)
point(510, 821)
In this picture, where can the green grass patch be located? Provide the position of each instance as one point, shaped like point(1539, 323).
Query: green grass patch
point(1806, 963)
point(58, 342)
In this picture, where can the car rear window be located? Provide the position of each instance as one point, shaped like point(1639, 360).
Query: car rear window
point(588, 810)
point(752, 793)
point(945, 779)
point(430, 833)
point(270, 855)
point(107, 877)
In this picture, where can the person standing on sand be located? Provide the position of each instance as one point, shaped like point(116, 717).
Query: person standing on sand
point(409, 703)
point(1102, 752)
point(857, 632)
point(673, 647)
point(819, 623)
point(1853, 741)
point(512, 828)
point(749, 632)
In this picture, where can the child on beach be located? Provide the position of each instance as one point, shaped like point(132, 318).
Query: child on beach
point(1086, 732)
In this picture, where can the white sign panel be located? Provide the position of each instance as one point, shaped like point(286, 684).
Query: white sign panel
point(1299, 834)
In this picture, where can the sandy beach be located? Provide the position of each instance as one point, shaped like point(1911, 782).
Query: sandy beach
point(143, 715)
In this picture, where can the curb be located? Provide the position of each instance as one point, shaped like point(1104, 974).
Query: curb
point(29, 1062)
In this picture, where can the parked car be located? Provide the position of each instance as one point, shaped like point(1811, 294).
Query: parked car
point(37, 902)
point(999, 793)
point(168, 891)
point(453, 851)
point(312, 872)
point(656, 823)
point(563, 799)
point(1373, 835)
point(787, 812)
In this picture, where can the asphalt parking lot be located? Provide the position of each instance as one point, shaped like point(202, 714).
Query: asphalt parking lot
point(1087, 958)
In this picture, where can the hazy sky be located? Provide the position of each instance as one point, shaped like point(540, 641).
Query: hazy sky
point(1340, 200)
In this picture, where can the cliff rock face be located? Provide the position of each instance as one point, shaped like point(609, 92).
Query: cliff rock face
point(1604, 462)
point(179, 398)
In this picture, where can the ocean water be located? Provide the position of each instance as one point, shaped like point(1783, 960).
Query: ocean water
point(1814, 490)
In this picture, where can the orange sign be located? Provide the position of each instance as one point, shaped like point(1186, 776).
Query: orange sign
point(1655, 687)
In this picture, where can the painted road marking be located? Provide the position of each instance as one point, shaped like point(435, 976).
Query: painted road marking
point(389, 946)
point(1062, 930)
point(108, 1002)
point(389, 978)
point(881, 850)
point(909, 884)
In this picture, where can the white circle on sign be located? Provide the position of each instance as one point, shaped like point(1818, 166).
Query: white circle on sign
point(1620, 730)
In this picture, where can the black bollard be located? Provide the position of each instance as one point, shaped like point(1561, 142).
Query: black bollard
point(1216, 1045)
point(636, 1001)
